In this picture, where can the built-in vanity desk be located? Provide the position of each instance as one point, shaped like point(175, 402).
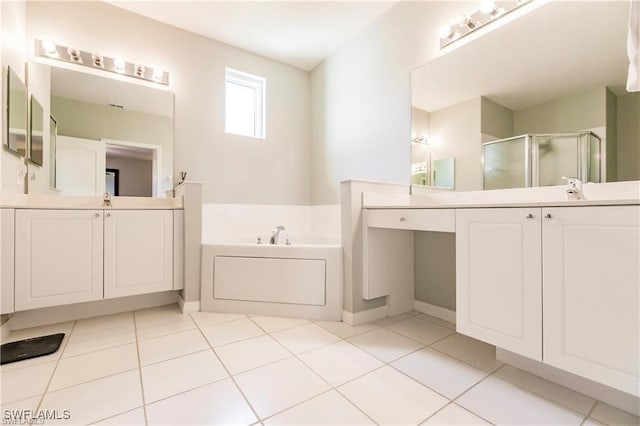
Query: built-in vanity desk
point(552, 280)
point(67, 250)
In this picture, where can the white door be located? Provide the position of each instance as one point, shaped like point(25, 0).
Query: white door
point(498, 278)
point(58, 257)
point(80, 166)
point(592, 293)
point(138, 254)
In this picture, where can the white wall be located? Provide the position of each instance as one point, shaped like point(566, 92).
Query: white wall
point(361, 97)
point(234, 169)
point(13, 55)
point(245, 223)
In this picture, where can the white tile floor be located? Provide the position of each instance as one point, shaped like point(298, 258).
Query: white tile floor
point(157, 366)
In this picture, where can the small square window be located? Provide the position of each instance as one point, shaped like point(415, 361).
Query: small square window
point(244, 104)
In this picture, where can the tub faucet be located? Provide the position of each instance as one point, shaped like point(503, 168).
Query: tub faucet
point(275, 233)
point(574, 189)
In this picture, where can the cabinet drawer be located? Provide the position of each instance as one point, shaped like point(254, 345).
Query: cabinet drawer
point(438, 220)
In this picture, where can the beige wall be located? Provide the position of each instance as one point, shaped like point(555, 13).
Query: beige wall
point(135, 176)
point(435, 268)
point(628, 136)
point(611, 121)
point(361, 97)
point(496, 120)
point(455, 132)
point(234, 169)
point(585, 110)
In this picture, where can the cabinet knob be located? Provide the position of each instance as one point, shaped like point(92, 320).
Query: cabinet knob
point(530, 216)
point(108, 214)
point(97, 214)
point(403, 219)
point(547, 216)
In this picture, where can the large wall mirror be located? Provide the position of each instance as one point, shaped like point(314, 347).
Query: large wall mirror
point(16, 114)
point(539, 98)
point(105, 126)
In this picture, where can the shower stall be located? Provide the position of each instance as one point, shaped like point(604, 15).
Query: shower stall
point(541, 160)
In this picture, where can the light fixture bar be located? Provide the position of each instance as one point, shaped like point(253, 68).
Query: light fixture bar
point(489, 11)
point(48, 49)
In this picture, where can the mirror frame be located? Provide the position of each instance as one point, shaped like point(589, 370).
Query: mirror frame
point(34, 128)
point(13, 77)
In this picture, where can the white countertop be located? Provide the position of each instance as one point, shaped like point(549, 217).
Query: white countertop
point(604, 194)
point(53, 201)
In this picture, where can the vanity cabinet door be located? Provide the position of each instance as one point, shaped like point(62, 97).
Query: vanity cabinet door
point(58, 257)
point(498, 278)
point(592, 293)
point(138, 254)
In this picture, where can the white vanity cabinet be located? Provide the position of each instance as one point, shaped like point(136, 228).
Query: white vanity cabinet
point(138, 252)
point(72, 256)
point(58, 257)
point(591, 287)
point(498, 278)
point(566, 279)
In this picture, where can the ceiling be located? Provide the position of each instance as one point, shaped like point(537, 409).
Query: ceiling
point(300, 33)
point(556, 50)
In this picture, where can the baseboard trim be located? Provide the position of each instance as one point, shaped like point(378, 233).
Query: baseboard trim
point(56, 314)
point(188, 307)
point(357, 318)
point(613, 397)
point(435, 311)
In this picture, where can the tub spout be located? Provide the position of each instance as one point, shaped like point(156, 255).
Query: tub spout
point(275, 234)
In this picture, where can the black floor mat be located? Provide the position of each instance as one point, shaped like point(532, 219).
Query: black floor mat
point(30, 348)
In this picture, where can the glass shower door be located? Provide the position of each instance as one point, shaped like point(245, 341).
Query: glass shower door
point(507, 163)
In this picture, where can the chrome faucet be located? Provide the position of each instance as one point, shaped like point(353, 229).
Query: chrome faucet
point(106, 199)
point(574, 189)
point(275, 233)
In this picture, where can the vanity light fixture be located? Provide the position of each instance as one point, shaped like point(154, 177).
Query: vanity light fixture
point(489, 11)
point(49, 49)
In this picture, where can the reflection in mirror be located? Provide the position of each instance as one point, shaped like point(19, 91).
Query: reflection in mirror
point(53, 133)
point(105, 123)
point(563, 76)
point(36, 128)
point(16, 114)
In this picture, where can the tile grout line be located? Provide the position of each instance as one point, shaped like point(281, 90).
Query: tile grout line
point(227, 370)
point(144, 405)
point(331, 387)
point(55, 368)
point(593, 407)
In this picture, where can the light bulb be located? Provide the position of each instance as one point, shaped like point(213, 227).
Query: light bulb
point(467, 21)
point(49, 47)
point(119, 64)
point(445, 31)
point(158, 74)
point(488, 6)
